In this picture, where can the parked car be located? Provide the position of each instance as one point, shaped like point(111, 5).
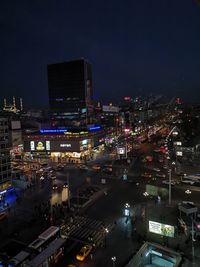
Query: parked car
point(162, 175)
point(156, 169)
point(83, 167)
point(146, 175)
point(167, 182)
point(96, 167)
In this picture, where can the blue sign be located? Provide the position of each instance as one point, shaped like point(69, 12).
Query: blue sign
point(53, 130)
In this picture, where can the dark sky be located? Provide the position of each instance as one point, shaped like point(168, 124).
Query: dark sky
point(135, 46)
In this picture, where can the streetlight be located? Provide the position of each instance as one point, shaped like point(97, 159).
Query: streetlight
point(146, 194)
point(105, 232)
point(113, 260)
point(127, 209)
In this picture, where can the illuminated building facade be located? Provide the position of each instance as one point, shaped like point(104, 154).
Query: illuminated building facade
point(65, 143)
point(70, 90)
point(5, 164)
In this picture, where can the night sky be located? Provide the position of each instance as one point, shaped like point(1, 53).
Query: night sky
point(135, 46)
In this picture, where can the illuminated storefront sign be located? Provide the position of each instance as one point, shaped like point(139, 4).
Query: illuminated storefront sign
point(84, 142)
point(65, 145)
point(52, 146)
point(161, 229)
point(32, 144)
point(121, 150)
point(94, 128)
point(48, 147)
point(40, 146)
point(53, 130)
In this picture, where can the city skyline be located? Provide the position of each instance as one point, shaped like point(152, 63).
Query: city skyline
point(134, 47)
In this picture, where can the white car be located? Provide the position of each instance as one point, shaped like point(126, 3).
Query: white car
point(156, 169)
point(187, 182)
point(167, 182)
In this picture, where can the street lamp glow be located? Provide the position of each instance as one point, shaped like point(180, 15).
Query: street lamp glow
point(113, 258)
point(188, 192)
point(106, 230)
point(145, 194)
point(127, 205)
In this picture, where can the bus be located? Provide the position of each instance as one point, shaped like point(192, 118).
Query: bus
point(45, 238)
point(50, 256)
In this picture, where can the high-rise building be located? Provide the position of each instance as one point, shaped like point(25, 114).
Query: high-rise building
point(70, 89)
point(5, 164)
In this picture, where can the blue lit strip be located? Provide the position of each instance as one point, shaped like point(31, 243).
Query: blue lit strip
point(95, 128)
point(53, 130)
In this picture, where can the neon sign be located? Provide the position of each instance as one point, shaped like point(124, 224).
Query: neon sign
point(53, 130)
point(94, 128)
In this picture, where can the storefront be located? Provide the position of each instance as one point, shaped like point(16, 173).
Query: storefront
point(64, 144)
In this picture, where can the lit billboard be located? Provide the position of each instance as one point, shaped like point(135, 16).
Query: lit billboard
point(110, 109)
point(121, 150)
point(52, 146)
point(161, 229)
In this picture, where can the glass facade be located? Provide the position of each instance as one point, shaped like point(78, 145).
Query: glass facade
point(70, 88)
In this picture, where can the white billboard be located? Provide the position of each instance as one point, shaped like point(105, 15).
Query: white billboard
point(110, 109)
point(161, 229)
point(121, 150)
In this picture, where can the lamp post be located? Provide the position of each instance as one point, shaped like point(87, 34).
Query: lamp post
point(106, 231)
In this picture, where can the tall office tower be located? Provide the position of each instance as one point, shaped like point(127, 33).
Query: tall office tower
point(5, 164)
point(70, 89)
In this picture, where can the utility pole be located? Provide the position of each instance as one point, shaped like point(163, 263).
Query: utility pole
point(170, 186)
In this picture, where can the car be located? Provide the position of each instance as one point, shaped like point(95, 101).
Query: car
point(156, 169)
point(83, 167)
point(188, 182)
point(52, 177)
point(107, 170)
point(96, 167)
point(3, 216)
point(84, 252)
point(65, 185)
point(146, 175)
point(162, 175)
point(167, 182)
point(55, 186)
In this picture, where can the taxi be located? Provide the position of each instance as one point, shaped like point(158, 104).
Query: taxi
point(84, 252)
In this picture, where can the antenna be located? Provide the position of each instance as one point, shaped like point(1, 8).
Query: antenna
point(4, 102)
point(14, 104)
point(21, 103)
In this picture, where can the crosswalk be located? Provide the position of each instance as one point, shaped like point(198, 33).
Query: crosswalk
point(86, 230)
